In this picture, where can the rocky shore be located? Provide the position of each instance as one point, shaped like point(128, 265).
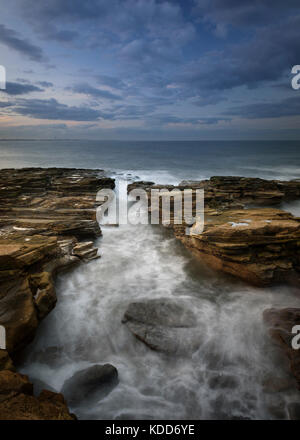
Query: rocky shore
point(47, 224)
point(246, 235)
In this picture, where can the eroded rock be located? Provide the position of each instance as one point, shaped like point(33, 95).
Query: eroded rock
point(164, 325)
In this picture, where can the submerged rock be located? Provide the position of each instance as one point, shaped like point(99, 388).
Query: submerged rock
point(164, 325)
point(91, 383)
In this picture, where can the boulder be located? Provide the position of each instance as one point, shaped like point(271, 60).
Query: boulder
point(91, 383)
point(164, 325)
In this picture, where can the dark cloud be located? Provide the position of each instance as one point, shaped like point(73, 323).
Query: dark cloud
point(286, 107)
point(94, 92)
point(53, 110)
point(11, 39)
point(45, 84)
point(170, 119)
point(4, 104)
point(14, 88)
point(111, 81)
point(245, 13)
point(272, 52)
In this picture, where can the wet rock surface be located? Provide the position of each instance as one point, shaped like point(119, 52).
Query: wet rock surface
point(281, 323)
point(259, 245)
point(17, 401)
point(47, 224)
point(93, 382)
point(164, 325)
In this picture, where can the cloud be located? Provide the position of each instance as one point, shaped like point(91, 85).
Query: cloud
point(14, 88)
point(265, 58)
point(53, 110)
point(94, 92)
point(11, 39)
point(111, 81)
point(45, 84)
point(4, 104)
point(241, 14)
point(285, 107)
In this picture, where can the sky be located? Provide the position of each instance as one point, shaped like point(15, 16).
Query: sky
point(150, 69)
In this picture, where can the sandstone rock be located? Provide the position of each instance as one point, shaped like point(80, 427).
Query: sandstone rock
point(48, 406)
point(261, 246)
point(13, 383)
point(93, 382)
point(44, 214)
point(5, 361)
point(164, 325)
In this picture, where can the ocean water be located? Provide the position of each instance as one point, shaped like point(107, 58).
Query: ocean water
point(164, 162)
point(229, 375)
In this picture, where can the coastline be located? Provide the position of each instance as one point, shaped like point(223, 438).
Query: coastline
point(48, 224)
point(45, 233)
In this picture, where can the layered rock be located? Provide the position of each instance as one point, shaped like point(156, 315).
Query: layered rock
point(17, 401)
point(47, 221)
point(258, 245)
point(247, 190)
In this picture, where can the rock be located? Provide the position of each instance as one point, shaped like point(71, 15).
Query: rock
point(40, 386)
point(93, 382)
point(280, 323)
point(44, 216)
point(248, 190)
point(260, 246)
point(140, 184)
point(294, 411)
point(5, 361)
point(21, 406)
point(164, 325)
point(12, 383)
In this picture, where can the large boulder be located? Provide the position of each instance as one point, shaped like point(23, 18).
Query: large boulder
point(164, 325)
point(91, 383)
